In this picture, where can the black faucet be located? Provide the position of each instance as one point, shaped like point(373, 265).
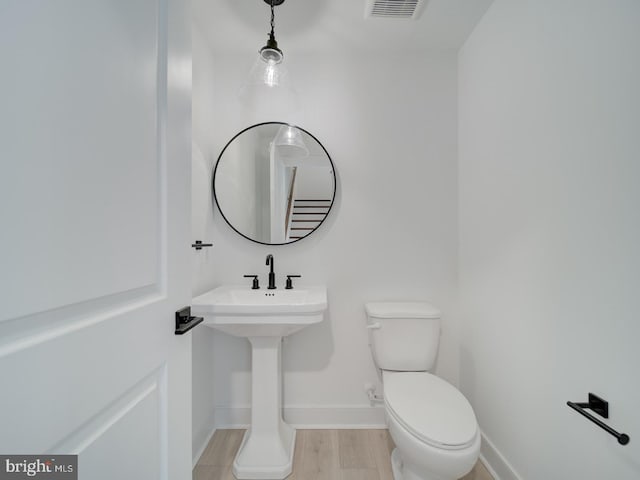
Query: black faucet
point(272, 276)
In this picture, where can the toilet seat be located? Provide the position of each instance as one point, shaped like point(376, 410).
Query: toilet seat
point(430, 409)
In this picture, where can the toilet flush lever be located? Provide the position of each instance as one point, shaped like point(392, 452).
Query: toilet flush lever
point(373, 326)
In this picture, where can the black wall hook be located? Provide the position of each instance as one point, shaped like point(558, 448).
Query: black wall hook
point(601, 407)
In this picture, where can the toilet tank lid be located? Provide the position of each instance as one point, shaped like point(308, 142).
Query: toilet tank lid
point(401, 310)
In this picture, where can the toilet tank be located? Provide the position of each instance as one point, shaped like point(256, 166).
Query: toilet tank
point(404, 336)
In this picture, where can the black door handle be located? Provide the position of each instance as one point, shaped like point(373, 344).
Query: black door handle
point(199, 245)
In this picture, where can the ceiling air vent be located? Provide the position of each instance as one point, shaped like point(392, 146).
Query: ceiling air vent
point(394, 8)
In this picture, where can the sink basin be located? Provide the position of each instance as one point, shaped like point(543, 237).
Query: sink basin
point(243, 312)
point(263, 317)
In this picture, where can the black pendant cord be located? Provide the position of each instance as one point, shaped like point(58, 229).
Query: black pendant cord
point(273, 20)
point(271, 50)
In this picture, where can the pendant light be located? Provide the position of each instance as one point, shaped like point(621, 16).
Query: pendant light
point(267, 91)
point(268, 69)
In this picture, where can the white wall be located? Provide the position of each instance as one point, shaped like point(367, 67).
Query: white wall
point(549, 112)
point(392, 234)
point(203, 113)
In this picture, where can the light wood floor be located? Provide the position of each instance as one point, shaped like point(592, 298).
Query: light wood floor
point(319, 455)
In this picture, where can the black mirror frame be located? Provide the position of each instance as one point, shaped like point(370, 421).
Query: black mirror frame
point(215, 170)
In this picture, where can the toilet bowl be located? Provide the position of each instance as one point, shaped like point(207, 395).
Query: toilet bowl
point(432, 424)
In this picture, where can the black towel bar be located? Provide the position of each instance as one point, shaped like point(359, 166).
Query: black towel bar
point(601, 407)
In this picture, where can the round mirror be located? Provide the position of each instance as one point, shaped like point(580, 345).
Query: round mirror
point(274, 183)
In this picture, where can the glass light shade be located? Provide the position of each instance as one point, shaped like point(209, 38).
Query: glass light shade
point(268, 93)
point(289, 142)
point(269, 72)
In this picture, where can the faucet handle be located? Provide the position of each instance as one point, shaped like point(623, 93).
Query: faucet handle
point(255, 285)
point(289, 282)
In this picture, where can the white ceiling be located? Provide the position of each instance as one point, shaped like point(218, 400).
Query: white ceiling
point(322, 26)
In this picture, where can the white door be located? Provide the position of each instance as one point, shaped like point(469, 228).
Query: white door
point(95, 140)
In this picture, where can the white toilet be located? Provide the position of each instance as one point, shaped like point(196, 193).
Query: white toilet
point(431, 422)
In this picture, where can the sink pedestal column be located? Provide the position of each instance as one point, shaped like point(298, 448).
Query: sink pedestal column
point(266, 451)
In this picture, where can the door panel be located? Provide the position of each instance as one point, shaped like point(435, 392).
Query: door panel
point(80, 149)
point(94, 248)
point(136, 420)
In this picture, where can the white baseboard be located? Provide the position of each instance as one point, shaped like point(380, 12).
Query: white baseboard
point(200, 449)
point(308, 416)
point(497, 465)
point(201, 436)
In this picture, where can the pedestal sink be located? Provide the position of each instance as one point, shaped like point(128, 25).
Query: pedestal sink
point(263, 317)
